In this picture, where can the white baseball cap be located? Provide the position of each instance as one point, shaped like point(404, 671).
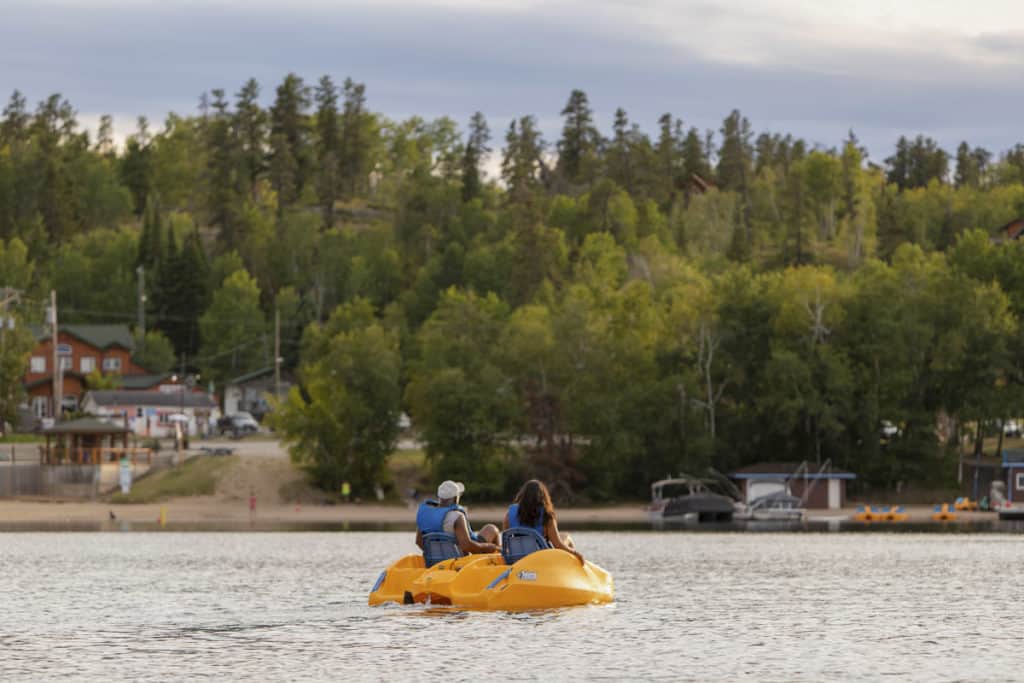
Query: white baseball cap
point(450, 489)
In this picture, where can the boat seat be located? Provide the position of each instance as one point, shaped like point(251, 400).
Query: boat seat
point(518, 542)
point(438, 547)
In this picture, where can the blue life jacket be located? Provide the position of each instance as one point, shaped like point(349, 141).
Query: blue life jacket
point(513, 519)
point(430, 516)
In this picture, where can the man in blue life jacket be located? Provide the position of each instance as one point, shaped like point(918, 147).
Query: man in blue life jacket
point(445, 514)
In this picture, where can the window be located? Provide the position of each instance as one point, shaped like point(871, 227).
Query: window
point(38, 363)
point(111, 365)
point(39, 405)
point(65, 363)
point(1019, 481)
point(87, 364)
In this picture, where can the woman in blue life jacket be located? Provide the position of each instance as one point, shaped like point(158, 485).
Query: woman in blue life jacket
point(533, 508)
point(446, 515)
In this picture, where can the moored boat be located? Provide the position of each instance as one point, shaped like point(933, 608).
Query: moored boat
point(688, 499)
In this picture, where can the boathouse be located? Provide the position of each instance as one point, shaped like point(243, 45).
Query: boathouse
point(1013, 468)
point(821, 488)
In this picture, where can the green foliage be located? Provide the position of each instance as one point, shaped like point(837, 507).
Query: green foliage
point(197, 476)
point(154, 352)
point(341, 423)
point(15, 346)
point(98, 381)
point(617, 306)
point(233, 330)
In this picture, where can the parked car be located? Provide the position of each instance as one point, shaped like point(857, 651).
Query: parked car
point(889, 430)
point(238, 424)
point(1012, 428)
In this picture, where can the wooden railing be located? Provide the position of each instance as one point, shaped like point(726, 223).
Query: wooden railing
point(92, 456)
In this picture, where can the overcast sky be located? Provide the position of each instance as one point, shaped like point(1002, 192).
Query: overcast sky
point(947, 68)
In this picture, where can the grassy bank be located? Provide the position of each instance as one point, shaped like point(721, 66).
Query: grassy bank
point(197, 476)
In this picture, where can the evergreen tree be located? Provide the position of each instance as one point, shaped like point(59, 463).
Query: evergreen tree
point(16, 118)
point(695, 157)
point(250, 125)
point(328, 147)
point(354, 159)
point(620, 168)
point(220, 171)
point(669, 159)
point(971, 165)
point(289, 140)
point(736, 153)
point(578, 146)
point(476, 151)
point(522, 165)
point(151, 236)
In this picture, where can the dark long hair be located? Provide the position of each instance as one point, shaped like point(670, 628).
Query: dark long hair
point(532, 498)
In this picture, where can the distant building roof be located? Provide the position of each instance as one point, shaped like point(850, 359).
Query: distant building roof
point(100, 336)
point(86, 425)
point(249, 376)
point(164, 399)
point(786, 470)
point(1013, 230)
point(1013, 457)
point(137, 382)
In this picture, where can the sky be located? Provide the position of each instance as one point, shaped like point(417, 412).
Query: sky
point(953, 70)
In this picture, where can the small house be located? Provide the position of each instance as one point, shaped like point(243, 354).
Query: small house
point(80, 350)
point(154, 413)
point(821, 488)
point(249, 392)
point(1013, 469)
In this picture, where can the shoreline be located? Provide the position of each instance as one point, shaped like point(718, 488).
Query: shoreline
point(214, 511)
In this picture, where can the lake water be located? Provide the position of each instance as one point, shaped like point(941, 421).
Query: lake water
point(689, 606)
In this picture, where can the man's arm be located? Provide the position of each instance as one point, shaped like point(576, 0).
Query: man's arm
point(466, 542)
point(419, 539)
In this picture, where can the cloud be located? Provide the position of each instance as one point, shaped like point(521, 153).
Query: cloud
point(813, 69)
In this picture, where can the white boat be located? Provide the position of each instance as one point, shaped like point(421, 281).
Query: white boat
point(774, 507)
point(687, 499)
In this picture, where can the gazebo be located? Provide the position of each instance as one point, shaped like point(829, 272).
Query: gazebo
point(81, 441)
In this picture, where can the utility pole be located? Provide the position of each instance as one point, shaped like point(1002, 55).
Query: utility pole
point(141, 272)
point(58, 383)
point(277, 352)
point(7, 296)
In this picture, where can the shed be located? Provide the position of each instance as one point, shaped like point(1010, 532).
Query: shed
point(822, 489)
point(249, 392)
point(1013, 468)
point(82, 441)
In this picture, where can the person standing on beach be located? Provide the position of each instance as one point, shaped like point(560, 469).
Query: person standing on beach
point(346, 491)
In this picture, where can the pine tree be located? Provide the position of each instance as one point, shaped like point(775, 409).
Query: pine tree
point(970, 165)
point(354, 158)
point(151, 236)
point(669, 159)
point(250, 125)
point(289, 141)
point(220, 171)
point(578, 146)
point(475, 152)
point(328, 147)
point(14, 127)
point(735, 155)
point(695, 157)
point(521, 166)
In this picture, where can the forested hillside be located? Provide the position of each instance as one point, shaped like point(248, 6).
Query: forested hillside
point(616, 306)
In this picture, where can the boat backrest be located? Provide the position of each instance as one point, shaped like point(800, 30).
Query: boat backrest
point(439, 546)
point(520, 541)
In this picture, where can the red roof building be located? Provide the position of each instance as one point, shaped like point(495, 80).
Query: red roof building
point(80, 350)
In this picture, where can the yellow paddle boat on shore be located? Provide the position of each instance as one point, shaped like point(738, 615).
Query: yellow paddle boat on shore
point(518, 578)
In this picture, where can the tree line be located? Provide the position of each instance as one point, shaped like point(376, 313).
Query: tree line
point(612, 308)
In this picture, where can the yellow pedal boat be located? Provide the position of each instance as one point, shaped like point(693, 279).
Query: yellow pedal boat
point(543, 579)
